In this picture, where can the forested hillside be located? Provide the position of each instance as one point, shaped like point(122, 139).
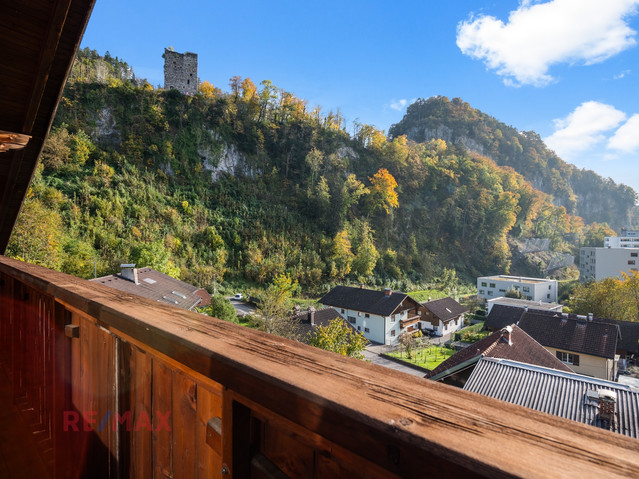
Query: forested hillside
point(252, 183)
point(581, 192)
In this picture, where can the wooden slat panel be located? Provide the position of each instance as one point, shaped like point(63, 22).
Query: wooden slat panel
point(287, 450)
point(209, 405)
point(141, 443)
point(405, 425)
point(162, 438)
point(183, 414)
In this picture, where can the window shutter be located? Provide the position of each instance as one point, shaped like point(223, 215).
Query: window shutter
point(575, 360)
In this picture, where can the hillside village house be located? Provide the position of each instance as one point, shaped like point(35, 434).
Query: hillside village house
point(152, 284)
point(532, 289)
point(588, 347)
point(442, 316)
point(603, 404)
point(381, 316)
point(70, 345)
point(511, 342)
point(522, 304)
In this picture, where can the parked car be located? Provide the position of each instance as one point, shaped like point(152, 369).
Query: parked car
point(238, 297)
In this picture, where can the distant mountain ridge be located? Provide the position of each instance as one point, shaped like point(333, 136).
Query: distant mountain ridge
point(581, 192)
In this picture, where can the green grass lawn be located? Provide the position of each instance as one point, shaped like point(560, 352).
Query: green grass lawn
point(428, 358)
point(423, 295)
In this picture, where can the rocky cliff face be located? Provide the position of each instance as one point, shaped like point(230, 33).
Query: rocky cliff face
point(106, 132)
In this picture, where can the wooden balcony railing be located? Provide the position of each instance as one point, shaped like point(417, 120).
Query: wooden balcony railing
point(119, 386)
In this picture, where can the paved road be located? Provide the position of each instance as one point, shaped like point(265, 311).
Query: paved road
point(242, 309)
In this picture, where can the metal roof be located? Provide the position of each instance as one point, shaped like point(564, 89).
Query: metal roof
point(158, 286)
point(554, 392)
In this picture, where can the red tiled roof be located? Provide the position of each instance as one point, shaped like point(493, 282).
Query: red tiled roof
point(523, 349)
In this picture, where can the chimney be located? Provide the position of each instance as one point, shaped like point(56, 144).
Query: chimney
point(311, 315)
point(388, 291)
point(589, 316)
point(506, 334)
point(607, 402)
point(130, 272)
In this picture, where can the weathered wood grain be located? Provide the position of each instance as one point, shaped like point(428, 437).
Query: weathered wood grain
point(406, 426)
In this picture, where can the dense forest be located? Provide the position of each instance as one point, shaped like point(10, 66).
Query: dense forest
point(581, 192)
point(251, 183)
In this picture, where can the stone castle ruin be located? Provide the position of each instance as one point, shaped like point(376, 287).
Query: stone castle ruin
point(180, 72)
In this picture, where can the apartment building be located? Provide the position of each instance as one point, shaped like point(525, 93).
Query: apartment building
point(599, 263)
point(532, 289)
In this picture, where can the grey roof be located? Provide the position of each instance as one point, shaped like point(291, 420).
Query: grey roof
point(554, 392)
point(523, 303)
point(502, 315)
point(322, 317)
point(158, 286)
point(445, 309)
point(629, 330)
point(570, 333)
point(366, 300)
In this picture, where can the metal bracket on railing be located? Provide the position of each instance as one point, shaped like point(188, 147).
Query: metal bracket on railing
point(72, 330)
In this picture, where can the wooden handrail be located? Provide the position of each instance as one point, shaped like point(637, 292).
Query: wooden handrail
point(277, 393)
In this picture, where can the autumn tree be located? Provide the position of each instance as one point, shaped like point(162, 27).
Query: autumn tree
point(209, 91)
point(339, 338)
point(341, 255)
point(382, 191)
point(366, 254)
point(272, 312)
point(36, 237)
point(614, 298)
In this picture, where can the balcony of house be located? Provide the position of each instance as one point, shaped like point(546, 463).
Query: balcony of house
point(412, 318)
point(113, 385)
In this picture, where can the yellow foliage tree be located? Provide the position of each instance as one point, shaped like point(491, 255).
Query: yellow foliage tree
point(382, 190)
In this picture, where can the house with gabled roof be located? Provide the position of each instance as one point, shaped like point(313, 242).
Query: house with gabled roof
point(308, 321)
point(152, 284)
point(381, 316)
point(501, 315)
point(627, 345)
point(604, 404)
point(588, 347)
point(509, 343)
point(442, 316)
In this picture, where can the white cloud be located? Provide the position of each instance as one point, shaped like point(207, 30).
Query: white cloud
point(621, 75)
point(626, 138)
point(584, 128)
point(539, 35)
point(398, 105)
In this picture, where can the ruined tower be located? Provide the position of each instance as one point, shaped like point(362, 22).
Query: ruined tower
point(180, 71)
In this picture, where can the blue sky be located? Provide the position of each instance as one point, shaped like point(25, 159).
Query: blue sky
point(567, 69)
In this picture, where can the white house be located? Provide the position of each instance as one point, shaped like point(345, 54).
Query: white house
point(532, 289)
point(442, 316)
point(599, 263)
point(381, 316)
